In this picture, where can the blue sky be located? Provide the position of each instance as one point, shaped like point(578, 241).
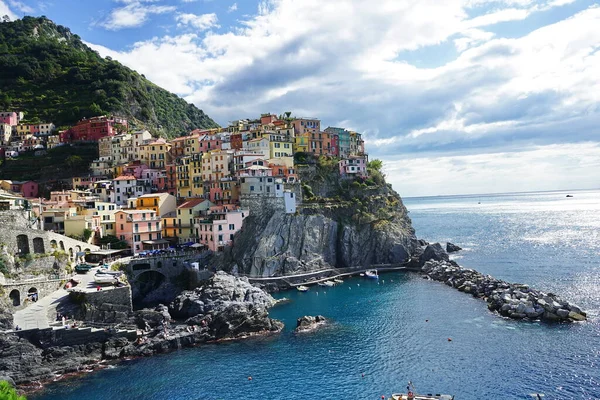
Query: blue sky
point(459, 96)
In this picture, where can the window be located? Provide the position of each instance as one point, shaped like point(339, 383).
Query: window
point(220, 227)
point(251, 189)
point(220, 238)
point(122, 227)
point(231, 227)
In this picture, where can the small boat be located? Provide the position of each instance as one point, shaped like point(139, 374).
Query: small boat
point(412, 395)
point(372, 274)
point(569, 195)
point(105, 278)
point(302, 288)
point(82, 268)
point(329, 283)
point(338, 281)
point(321, 284)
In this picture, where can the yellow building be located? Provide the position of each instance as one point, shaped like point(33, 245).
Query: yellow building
point(161, 203)
point(192, 145)
point(195, 170)
point(301, 143)
point(215, 165)
point(106, 213)
point(76, 225)
point(184, 189)
point(181, 224)
point(154, 154)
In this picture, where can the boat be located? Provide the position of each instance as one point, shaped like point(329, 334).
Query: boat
point(105, 278)
point(372, 274)
point(82, 268)
point(412, 395)
point(321, 284)
point(569, 195)
point(302, 288)
point(329, 283)
point(338, 281)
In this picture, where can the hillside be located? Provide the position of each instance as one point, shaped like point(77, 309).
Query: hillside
point(48, 72)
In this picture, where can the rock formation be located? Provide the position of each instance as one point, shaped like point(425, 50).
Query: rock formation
point(512, 300)
point(452, 248)
point(346, 225)
point(309, 323)
point(230, 307)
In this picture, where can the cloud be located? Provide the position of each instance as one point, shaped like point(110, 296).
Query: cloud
point(22, 7)
point(5, 10)
point(349, 64)
point(232, 8)
point(199, 22)
point(135, 13)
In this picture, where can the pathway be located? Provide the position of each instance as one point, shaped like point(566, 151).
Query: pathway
point(42, 312)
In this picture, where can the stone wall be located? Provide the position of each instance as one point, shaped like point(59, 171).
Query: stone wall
point(19, 290)
point(112, 305)
point(50, 337)
point(18, 237)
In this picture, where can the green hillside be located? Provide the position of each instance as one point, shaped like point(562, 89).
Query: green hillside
point(48, 72)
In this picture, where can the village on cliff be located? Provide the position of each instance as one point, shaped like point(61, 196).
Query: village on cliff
point(147, 193)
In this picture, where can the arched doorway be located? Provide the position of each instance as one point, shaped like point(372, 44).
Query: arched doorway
point(38, 245)
point(70, 252)
point(53, 244)
point(32, 294)
point(62, 245)
point(23, 244)
point(15, 297)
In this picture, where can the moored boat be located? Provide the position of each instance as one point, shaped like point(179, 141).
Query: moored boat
point(105, 278)
point(372, 274)
point(302, 288)
point(329, 283)
point(82, 268)
point(412, 395)
point(338, 281)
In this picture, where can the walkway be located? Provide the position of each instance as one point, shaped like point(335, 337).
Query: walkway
point(42, 312)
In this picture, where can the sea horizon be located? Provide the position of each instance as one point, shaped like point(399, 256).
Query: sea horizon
point(497, 193)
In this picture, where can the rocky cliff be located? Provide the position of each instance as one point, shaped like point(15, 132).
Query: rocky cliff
point(342, 223)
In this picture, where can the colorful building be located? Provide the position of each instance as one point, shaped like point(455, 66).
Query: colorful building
point(180, 224)
point(93, 129)
point(216, 228)
point(27, 189)
point(141, 229)
point(353, 166)
point(161, 203)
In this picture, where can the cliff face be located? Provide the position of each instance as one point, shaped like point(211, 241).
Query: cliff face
point(347, 225)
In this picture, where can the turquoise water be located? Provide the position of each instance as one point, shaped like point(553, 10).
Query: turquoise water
point(385, 334)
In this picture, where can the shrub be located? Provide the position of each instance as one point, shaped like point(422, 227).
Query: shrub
point(7, 392)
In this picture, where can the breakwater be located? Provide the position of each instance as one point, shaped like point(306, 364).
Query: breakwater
point(513, 300)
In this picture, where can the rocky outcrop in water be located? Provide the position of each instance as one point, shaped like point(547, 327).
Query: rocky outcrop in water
point(512, 300)
point(452, 248)
point(230, 307)
point(309, 323)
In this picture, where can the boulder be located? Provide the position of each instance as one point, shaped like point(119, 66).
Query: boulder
point(576, 316)
point(452, 248)
point(308, 323)
point(433, 252)
point(561, 312)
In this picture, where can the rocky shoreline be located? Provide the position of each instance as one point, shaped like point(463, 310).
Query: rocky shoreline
point(513, 300)
point(223, 308)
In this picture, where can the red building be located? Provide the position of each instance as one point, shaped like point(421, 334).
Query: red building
point(93, 129)
point(171, 179)
point(236, 141)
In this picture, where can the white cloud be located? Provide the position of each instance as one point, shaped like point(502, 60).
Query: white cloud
point(199, 22)
point(135, 13)
point(498, 172)
point(20, 6)
point(232, 7)
point(345, 62)
point(5, 10)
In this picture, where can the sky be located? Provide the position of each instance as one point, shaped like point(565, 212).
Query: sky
point(455, 96)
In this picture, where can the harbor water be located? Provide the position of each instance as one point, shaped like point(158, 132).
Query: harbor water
point(402, 327)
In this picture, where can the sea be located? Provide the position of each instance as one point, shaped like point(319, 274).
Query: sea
point(403, 328)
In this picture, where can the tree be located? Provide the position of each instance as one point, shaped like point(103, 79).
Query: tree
point(375, 164)
point(74, 162)
point(7, 392)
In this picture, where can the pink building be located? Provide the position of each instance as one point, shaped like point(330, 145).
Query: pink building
point(141, 229)
point(135, 168)
point(27, 189)
point(216, 228)
point(10, 118)
point(353, 166)
point(208, 143)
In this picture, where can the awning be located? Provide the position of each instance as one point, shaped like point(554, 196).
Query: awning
point(196, 245)
point(160, 241)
